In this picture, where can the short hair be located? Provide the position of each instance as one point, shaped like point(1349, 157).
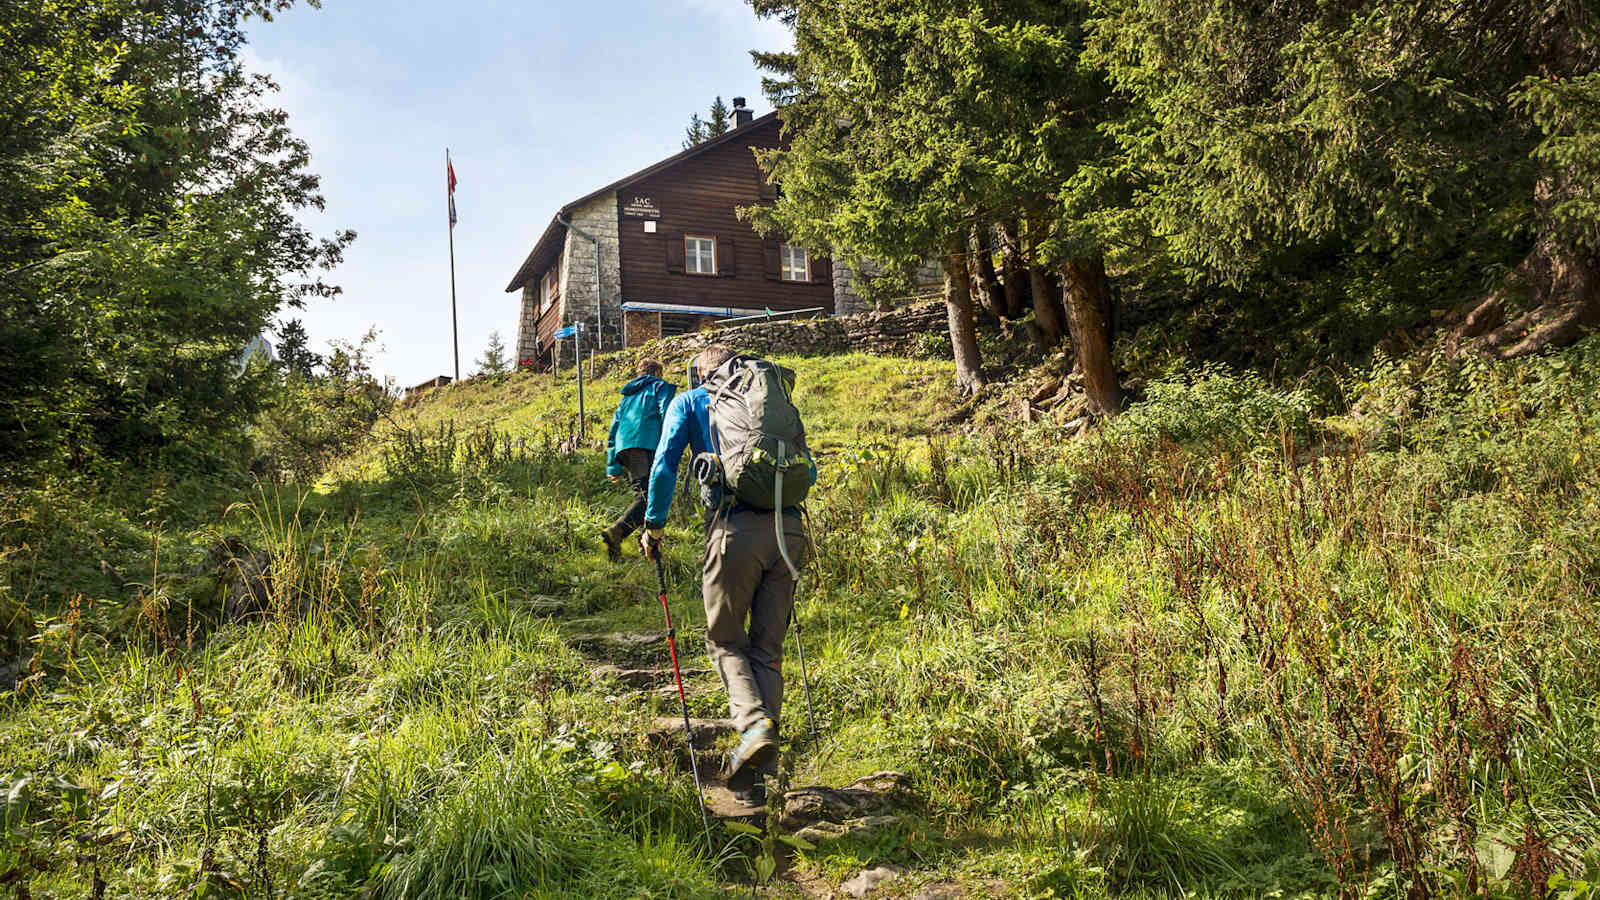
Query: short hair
point(649, 366)
point(713, 356)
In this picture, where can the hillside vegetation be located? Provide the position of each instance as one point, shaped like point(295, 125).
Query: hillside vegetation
point(1242, 640)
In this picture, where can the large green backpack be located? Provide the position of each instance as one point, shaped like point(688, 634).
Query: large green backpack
point(757, 433)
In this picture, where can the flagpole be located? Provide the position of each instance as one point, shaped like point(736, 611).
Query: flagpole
point(455, 338)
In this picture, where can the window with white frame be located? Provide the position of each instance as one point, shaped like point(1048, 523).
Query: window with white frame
point(549, 291)
point(700, 255)
point(796, 263)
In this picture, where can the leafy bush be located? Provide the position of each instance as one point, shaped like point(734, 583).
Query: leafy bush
point(310, 422)
point(1216, 411)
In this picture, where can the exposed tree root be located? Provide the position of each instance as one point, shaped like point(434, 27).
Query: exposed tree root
point(1559, 289)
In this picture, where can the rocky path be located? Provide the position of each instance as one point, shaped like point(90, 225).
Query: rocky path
point(634, 664)
point(631, 662)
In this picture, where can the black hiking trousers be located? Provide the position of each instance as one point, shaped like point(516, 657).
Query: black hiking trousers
point(637, 462)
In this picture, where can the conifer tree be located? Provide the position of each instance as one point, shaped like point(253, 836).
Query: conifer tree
point(912, 122)
point(715, 124)
point(1406, 128)
point(494, 360)
point(294, 350)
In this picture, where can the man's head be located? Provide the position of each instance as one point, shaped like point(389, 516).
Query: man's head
point(711, 357)
point(650, 367)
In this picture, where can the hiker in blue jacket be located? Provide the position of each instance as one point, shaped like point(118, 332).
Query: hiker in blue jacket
point(747, 588)
point(631, 448)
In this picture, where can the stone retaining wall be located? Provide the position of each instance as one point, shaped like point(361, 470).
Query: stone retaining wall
point(898, 332)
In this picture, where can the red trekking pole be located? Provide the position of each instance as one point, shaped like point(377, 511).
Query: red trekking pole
point(683, 702)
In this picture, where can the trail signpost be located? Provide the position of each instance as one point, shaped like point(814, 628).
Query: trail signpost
point(575, 331)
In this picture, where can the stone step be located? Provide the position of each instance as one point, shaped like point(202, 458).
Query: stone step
point(647, 677)
point(625, 649)
point(721, 803)
point(666, 732)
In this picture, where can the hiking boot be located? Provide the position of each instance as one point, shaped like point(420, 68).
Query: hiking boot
point(613, 546)
point(755, 796)
point(758, 746)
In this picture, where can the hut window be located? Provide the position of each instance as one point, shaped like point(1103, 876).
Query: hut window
point(551, 290)
point(796, 263)
point(700, 255)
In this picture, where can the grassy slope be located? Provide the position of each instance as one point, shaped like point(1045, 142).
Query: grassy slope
point(1182, 655)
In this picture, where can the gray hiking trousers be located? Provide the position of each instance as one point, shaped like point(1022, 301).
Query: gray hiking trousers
point(749, 595)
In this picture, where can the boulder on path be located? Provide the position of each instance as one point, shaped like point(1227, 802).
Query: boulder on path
point(878, 794)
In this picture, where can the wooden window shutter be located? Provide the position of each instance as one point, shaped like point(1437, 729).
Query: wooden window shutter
point(771, 264)
point(675, 254)
point(821, 270)
point(725, 258)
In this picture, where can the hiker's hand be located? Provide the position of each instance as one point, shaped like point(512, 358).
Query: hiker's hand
point(650, 542)
point(613, 478)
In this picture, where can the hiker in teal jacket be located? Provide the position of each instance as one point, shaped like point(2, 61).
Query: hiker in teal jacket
point(631, 448)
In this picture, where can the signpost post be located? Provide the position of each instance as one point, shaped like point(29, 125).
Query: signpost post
point(575, 331)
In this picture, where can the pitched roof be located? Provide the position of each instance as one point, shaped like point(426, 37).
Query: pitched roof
point(549, 242)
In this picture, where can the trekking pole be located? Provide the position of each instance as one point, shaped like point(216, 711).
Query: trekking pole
point(805, 680)
point(683, 701)
point(794, 606)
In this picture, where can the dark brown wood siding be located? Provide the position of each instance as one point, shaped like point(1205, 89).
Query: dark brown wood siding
point(549, 319)
point(698, 196)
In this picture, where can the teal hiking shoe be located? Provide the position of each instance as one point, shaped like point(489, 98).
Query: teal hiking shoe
point(758, 747)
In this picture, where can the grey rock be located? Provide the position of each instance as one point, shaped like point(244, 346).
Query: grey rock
point(870, 880)
point(877, 794)
point(667, 731)
point(244, 576)
point(866, 826)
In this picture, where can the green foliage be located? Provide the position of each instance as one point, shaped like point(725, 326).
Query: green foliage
point(1213, 411)
point(149, 230)
point(1370, 125)
point(293, 350)
point(308, 422)
point(911, 122)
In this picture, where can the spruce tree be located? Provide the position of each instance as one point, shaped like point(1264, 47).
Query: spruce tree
point(494, 360)
point(912, 122)
point(701, 130)
point(294, 351)
point(1378, 125)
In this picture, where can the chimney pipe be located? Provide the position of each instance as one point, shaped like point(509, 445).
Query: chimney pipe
point(741, 113)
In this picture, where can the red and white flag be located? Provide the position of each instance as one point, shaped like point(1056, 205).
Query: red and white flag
point(450, 178)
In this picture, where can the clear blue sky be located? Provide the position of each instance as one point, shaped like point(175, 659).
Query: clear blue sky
point(539, 104)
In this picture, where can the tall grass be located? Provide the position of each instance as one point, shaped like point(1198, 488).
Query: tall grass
point(1244, 640)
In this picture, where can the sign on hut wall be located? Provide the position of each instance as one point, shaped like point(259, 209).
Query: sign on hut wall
point(642, 207)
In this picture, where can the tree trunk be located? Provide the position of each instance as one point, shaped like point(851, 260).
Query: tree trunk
point(1087, 296)
point(988, 281)
point(963, 332)
point(1013, 272)
point(983, 274)
point(1558, 286)
point(1046, 321)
